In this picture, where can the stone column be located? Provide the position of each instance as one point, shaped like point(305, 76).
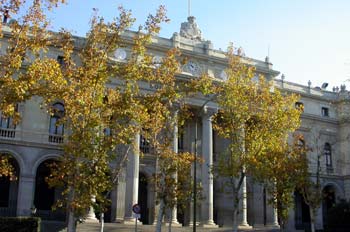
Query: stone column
point(244, 218)
point(132, 181)
point(91, 217)
point(207, 205)
point(193, 132)
point(25, 198)
point(174, 220)
point(118, 199)
point(271, 216)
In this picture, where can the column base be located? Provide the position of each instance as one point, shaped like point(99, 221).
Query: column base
point(131, 221)
point(244, 226)
point(209, 224)
point(174, 224)
point(92, 220)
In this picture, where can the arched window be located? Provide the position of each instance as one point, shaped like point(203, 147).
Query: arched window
point(56, 128)
point(328, 154)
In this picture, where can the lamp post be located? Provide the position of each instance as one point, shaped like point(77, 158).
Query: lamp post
point(195, 163)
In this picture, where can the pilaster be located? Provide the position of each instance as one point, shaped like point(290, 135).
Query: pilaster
point(25, 194)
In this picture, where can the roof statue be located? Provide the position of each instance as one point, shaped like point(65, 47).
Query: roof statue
point(190, 29)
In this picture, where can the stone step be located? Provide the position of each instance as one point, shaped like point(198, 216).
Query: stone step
point(118, 227)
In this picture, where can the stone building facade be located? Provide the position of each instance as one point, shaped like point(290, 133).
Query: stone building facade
point(35, 141)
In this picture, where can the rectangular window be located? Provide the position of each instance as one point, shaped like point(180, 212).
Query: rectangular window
point(144, 145)
point(300, 106)
point(328, 160)
point(180, 142)
point(60, 61)
point(325, 112)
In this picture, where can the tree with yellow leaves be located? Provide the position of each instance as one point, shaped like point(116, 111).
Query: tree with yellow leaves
point(100, 113)
point(255, 118)
point(23, 40)
point(281, 171)
point(165, 110)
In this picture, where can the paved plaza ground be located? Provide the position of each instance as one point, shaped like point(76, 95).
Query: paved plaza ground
point(117, 227)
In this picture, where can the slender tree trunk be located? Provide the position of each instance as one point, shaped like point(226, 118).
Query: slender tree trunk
point(160, 216)
point(235, 211)
point(282, 226)
point(235, 192)
point(72, 221)
point(312, 219)
point(72, 226)
point(170, 219)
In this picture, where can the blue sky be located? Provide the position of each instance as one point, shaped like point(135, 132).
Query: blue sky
point(308, 40)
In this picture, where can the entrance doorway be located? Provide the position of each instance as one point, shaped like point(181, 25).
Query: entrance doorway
point(302, 213)
point(9, 191)
point(45, 197)
point(328, 201)
point(143, 199)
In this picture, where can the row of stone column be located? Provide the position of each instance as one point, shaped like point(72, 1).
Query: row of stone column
point(207, 204)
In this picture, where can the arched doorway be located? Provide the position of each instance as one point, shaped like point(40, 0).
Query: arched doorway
point(302, 213)
point(9, 190)
point(328, 201)
point(143, 198)
point(45, 197)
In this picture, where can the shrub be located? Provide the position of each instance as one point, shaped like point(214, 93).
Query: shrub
point(19, 224)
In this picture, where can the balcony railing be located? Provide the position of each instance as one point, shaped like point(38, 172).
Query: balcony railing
point(7, 132)
point(53, 138)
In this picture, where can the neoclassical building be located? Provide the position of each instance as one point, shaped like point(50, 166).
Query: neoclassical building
point(35, 142)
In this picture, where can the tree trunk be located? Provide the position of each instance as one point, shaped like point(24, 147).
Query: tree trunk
point(160, 216)
point(312, 219)
point(235, 211)
point(170, 219)
point(72, 226)
point(72, 221)
point(282, 226)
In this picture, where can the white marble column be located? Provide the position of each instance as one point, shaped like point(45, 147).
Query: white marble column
point(132, 180)
point(271, 216)
point(25, 198)
point(118, 198)
point(174, 220)
point(244, 219)
point(207, 205)
point(91, 217)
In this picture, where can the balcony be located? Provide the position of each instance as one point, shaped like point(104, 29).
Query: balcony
point(54, 138)
point(7, 132)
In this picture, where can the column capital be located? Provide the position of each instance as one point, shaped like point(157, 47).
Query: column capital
point(209, 111)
